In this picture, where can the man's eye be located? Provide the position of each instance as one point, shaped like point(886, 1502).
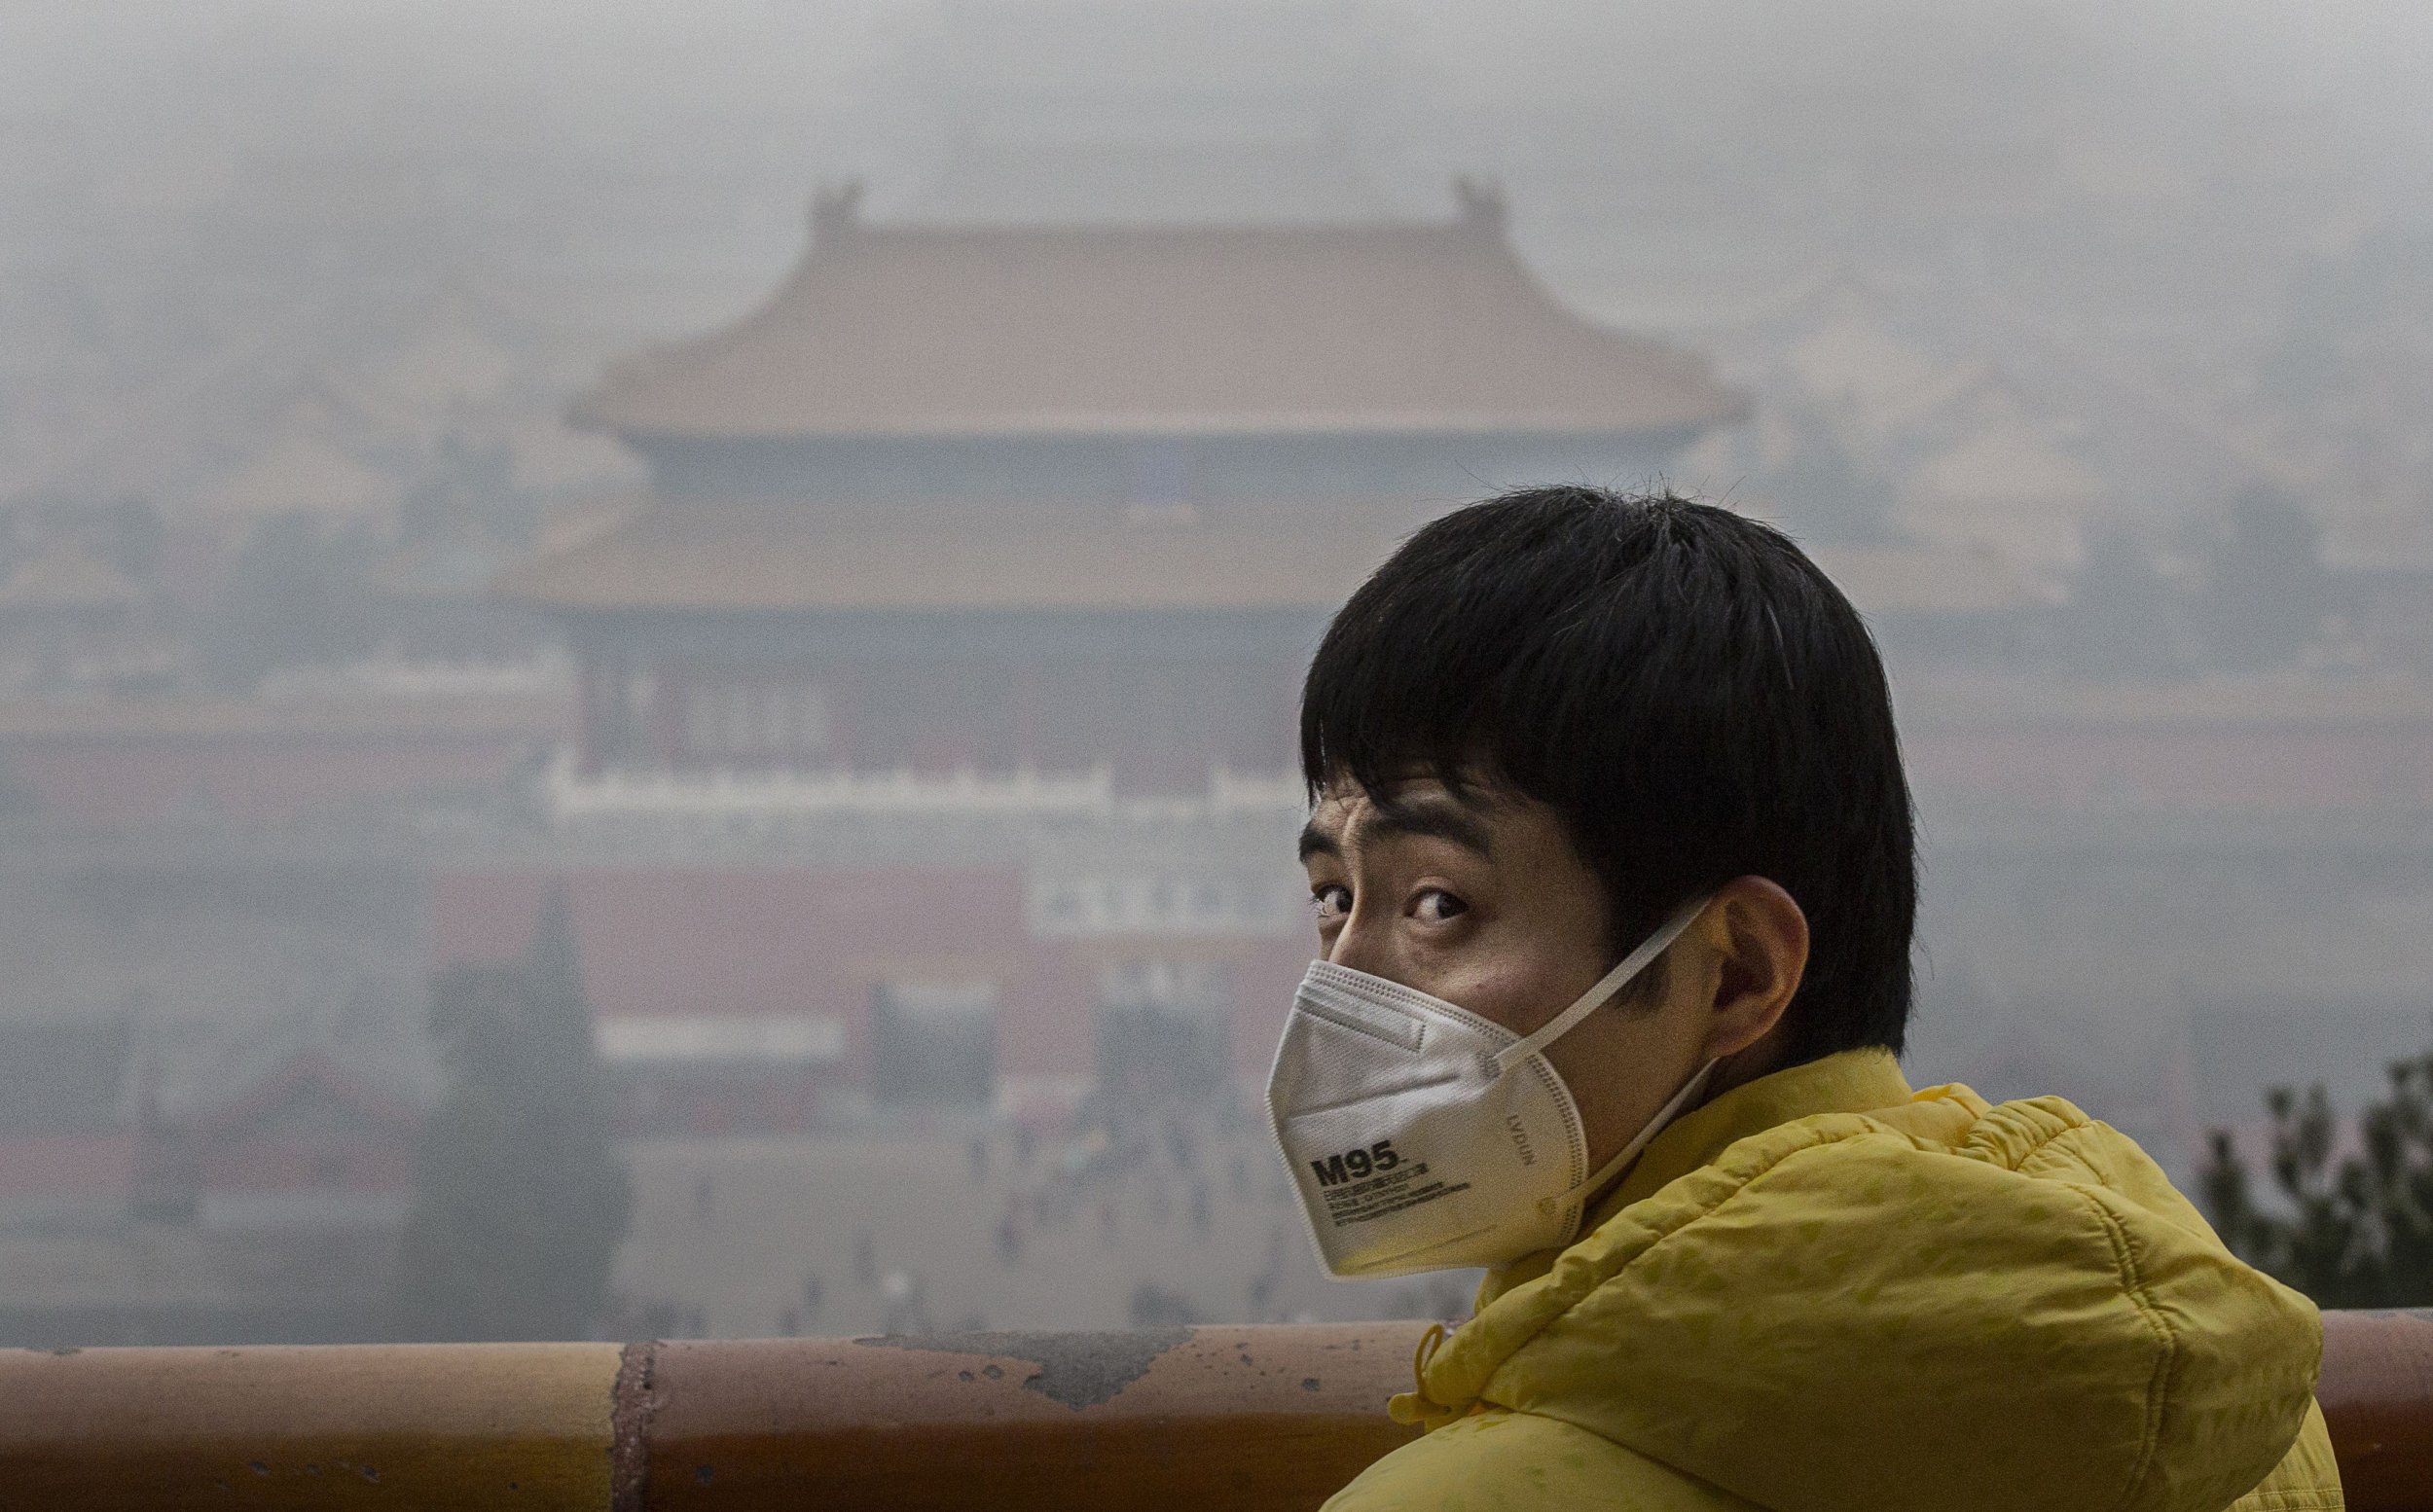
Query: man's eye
point(1331, 900)
point(1437, 905)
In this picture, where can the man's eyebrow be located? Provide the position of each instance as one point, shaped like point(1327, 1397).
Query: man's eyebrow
point(1438, 819)
point(1316, 842)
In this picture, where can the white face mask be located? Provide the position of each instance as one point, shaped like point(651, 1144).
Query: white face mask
point(1424, 1138)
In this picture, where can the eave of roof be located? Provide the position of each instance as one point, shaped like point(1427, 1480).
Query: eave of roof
point(793, 557)
point(1419, 328)
point(1002, 554)
point(1185, 426)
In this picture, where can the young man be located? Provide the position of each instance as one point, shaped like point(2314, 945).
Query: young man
point(1611, 860)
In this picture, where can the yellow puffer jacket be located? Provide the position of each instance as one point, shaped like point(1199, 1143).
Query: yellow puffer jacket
point(1822, 1292)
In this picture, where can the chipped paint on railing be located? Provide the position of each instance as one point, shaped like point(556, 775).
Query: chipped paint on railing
point(1164, 1420)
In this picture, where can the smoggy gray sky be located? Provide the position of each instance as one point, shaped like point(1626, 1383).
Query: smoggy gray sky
point(2154, 178)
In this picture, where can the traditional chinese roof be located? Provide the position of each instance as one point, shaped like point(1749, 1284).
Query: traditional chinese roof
point(309, 1091)
point(907, 329)
point(797, 557)
point(949, 557)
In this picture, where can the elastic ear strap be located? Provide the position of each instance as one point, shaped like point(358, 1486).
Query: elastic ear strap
point(1664, 1116)
point(1607, 985)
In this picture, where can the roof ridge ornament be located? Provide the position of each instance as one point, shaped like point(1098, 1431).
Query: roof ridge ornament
point(1153, 331)
point(835, 212)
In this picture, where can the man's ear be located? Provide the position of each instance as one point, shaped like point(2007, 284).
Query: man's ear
point(1760, 938)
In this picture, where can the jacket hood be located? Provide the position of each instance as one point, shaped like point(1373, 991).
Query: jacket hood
point(1929, 1305)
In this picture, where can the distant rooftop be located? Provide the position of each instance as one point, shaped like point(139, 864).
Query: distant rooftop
point(787, 558)
point(1368, 326)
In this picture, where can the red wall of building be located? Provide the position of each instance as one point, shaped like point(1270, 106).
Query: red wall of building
point(689, 940)
point(370, 1161)
point(678, 940)
point(1159, 726)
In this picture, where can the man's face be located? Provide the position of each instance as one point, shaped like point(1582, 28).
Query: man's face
point(1482, 901)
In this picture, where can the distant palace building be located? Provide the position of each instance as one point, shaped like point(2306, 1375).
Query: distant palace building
point(937, 711)
point(1063, 500)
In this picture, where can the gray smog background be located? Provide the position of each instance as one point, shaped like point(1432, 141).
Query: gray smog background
point(647, 650)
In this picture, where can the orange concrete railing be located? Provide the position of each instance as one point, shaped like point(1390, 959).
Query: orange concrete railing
point(1170, 1420)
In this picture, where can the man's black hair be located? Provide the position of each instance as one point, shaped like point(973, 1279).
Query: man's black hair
point(1688, 691)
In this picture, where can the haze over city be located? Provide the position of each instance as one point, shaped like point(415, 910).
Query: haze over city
point(775, 542)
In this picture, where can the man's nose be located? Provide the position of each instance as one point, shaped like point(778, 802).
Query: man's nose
point(1361, 945)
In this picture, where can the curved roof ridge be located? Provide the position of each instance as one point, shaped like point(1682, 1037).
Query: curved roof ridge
point(1374, 326)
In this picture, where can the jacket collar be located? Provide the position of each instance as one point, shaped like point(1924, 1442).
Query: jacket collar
point(1852, 1081)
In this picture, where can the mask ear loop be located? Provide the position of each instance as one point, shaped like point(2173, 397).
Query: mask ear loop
point(1638, 1141)
point(1607, 985)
